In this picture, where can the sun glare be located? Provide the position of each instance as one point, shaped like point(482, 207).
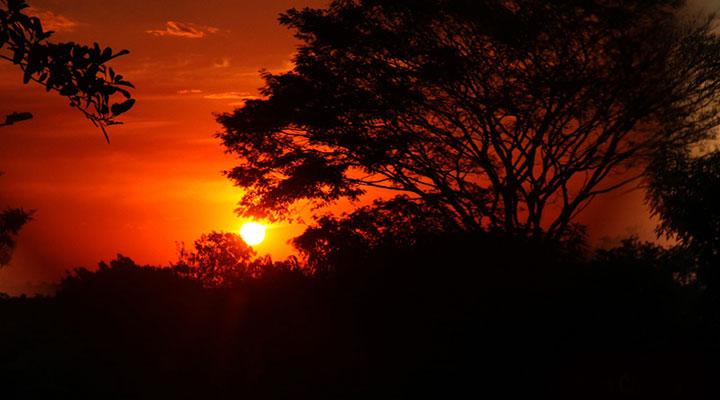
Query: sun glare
point(253, 233)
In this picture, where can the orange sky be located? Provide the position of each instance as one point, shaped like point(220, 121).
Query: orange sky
point(159, 181)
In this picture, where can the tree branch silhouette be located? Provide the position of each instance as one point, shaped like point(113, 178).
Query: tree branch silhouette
point(75, 71)
point(16, 117)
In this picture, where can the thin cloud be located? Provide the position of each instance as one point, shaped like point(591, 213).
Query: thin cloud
point(222, 63)
point(184, 30)
point(52, 21)
point(189, 91)
point(231, 96)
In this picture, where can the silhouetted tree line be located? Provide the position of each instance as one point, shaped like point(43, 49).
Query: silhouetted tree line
point(443, 315)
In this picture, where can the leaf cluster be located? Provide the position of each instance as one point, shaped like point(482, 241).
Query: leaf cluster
point(683, 195)
point(76, 71)
point(11, 221)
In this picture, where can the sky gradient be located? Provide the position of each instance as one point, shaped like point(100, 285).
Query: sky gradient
point(160, 179)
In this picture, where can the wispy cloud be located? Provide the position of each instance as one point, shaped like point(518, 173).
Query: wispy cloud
point(222, 63)
point(231, 96)
point(184, 30)
point(52, 21)
point(189, 91)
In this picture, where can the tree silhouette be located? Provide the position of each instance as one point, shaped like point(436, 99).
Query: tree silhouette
point(392, 224)
point(75, 71)
point(682, 193)
point(500, 114)
point(217, 259)
point(11, 220)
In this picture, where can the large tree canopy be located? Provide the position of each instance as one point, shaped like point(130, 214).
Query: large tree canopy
point(501, 114)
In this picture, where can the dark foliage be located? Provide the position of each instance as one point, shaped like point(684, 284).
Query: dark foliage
point(11, 221)
point(216, 259)
point(222, 259)
point(491, 112)
point(682, 192)
point(73, 70)
point(398, 223)
point(457, 316)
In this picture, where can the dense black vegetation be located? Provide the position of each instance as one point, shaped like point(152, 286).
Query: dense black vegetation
point(446, 315)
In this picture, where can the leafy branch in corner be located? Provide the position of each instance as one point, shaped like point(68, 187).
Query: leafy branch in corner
point(73, 70)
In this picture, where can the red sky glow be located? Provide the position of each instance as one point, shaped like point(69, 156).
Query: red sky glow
point(160, 179)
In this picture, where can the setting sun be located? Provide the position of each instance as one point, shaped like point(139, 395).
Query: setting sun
point(253, 233)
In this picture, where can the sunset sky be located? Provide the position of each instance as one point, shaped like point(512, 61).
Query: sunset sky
point(160, 179)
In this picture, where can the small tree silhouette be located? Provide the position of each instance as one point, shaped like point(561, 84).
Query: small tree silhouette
point(218, 259)
point(11, 220)
point(500, 114)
